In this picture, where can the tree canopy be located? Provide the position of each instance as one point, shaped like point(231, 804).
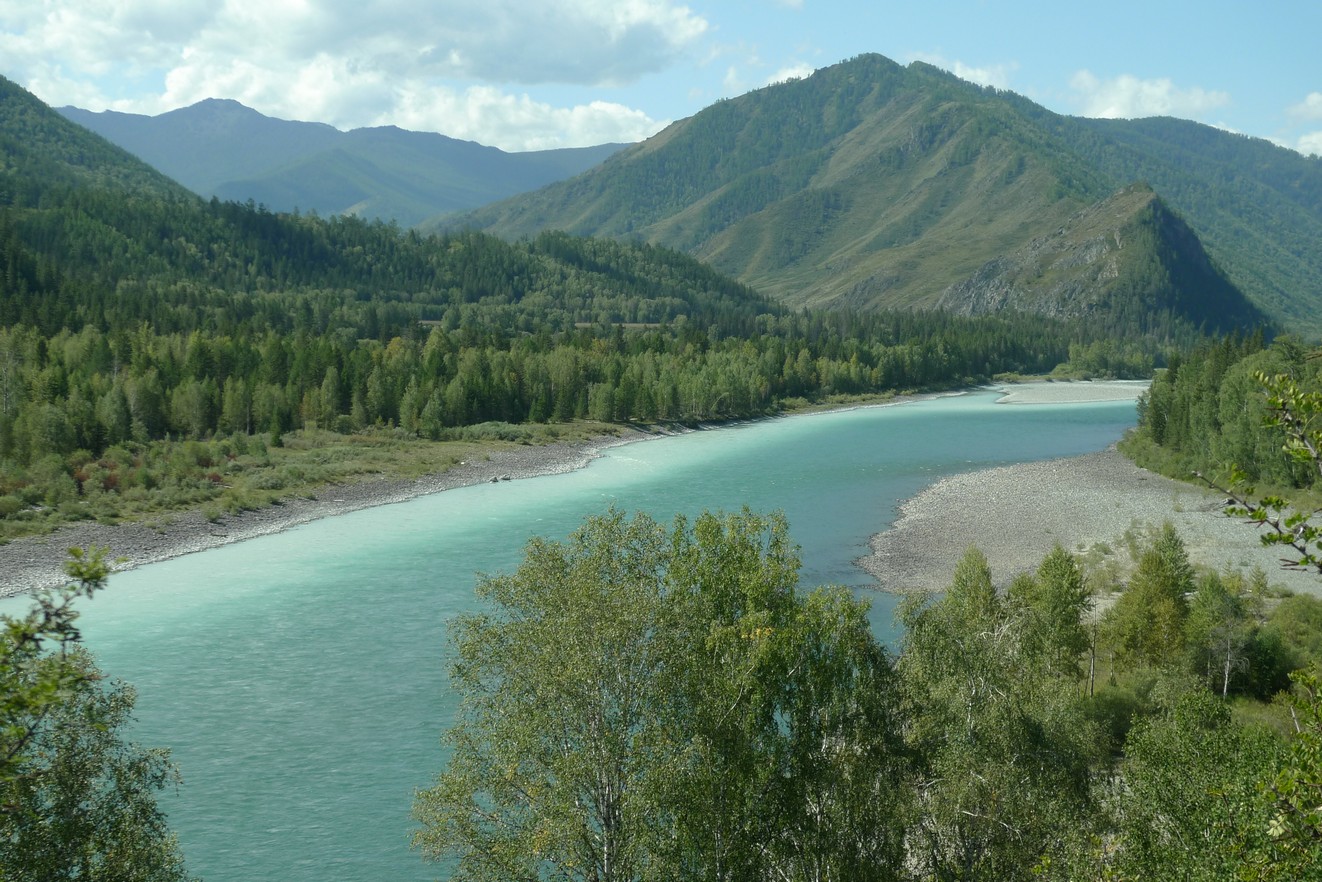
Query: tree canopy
point(642, 702)
point(652, 703)
point(77, 801)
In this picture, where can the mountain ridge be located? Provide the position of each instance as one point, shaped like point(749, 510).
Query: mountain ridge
point(874, 185)
point(891, 187)
point(1088, 267)
point(222, 148)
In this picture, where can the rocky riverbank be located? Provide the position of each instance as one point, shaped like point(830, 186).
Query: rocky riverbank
point(34, 563)
point(1016, 514)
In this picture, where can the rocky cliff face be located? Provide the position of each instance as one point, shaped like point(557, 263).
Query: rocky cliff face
point(1128, 253)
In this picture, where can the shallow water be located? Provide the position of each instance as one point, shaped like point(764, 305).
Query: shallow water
point(299, 678)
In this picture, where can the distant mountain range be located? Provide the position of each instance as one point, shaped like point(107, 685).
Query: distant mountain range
point(867, 185)
point(222, 148)
point(870, 184)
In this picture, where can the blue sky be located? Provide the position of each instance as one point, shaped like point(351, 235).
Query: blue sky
point(528, 75)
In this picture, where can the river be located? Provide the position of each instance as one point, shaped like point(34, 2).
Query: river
point(299, 678)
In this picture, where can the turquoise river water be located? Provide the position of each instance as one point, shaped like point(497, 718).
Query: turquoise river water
point(299, 679)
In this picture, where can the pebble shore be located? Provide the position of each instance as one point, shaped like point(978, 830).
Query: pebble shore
point(1016, 514)
point(34, 563)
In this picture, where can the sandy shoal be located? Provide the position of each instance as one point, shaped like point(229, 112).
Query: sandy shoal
point(1071, 392)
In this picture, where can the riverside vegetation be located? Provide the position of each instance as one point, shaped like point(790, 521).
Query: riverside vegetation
point(641, 701)
point(644, 701)
point(156, 350)
point(649, 703)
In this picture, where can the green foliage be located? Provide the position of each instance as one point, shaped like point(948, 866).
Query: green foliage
point(76, 800)
point(1220, 628)
point(1006, 747)
point(650, 704)
point(1054, 601)
point(34, 677)
point(1206, 825)
point(1298, 622)
point(1294, 797)
point(1297, 411)
point(84, 804)
point(1187, 800)
point(1147, 622)
point(1207, 414)
point(1235, 423)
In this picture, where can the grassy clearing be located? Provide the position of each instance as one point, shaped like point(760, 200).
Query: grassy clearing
point(161, 480)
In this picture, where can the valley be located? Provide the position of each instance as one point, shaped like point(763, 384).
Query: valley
point(251, 364)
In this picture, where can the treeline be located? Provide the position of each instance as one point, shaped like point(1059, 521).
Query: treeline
point(1207, 413)
point(129, 320)
point(92, 389)
point(216, 294)
point(135, 316)
point(719, 722)
point(81, 413)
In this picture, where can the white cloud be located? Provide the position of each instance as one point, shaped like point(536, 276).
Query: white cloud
point(1309, 108)
point(793, 72)
point(1128, 97)
point(997, 75)
point(516, 122)
point(347, 62)
point(733, 81)
point(1311, 144)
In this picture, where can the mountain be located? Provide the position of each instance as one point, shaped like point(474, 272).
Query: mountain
point(222, 148)
point(1256, 206)
point(1127, 260)
point(133, 311)
point(91, 236)
point(871, 185)
point(40, 151)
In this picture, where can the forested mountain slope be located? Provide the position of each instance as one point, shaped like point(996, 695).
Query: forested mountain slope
point(155, 347)
point(1127, 262)
point(222, 148)
point(871, 185)
point(1256, 206)
point(40, 151)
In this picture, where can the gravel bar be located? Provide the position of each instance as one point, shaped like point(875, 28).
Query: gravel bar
point(1017, 513)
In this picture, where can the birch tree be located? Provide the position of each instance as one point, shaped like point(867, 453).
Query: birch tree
point(649, 704)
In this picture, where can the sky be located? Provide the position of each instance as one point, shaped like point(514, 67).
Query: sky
point(538, 74)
